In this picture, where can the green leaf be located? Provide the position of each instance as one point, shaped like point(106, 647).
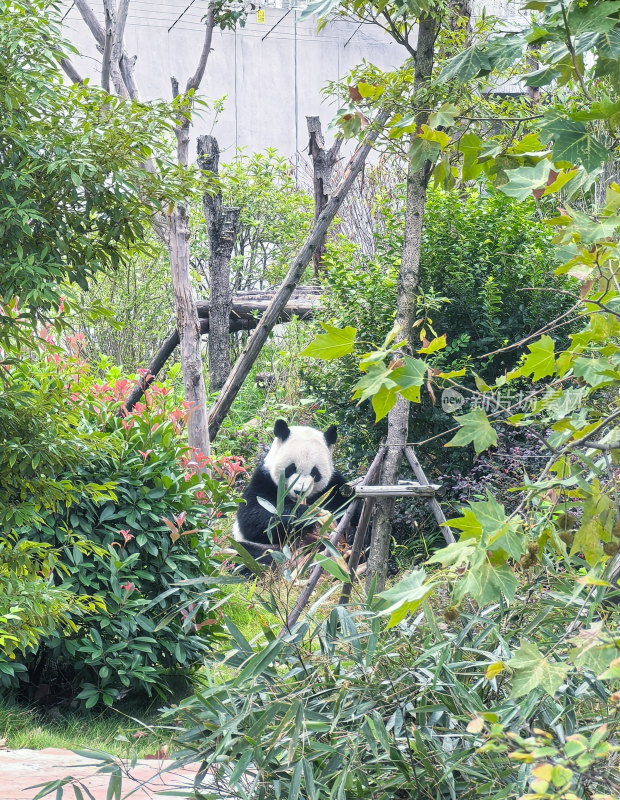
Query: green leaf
point(319, 7)
point(376, 376)
point(485, 582)
point(107, 512)
point(405, 597)
point(309, 779)
point(114, 786)
point(456, 554)
point(293, 792)
point(588, 541)
point(594, 371)
point(608, 44)
point(596, 18)
point(421, 151)
point(564, 176)
point(497, 530)
point(593, 649)
point(470, 145)
point(444, 116)
point(476, 428)
point(573, 142)
point(410, 378)
point(384, 401)
point(465, 66)
point(533, 671)
point(540, 363)
point(240, 767)
point(245, 558)
point(334, 569)
point(523, 180)
point(259, 662)
point(336, 342)
point(437, 344)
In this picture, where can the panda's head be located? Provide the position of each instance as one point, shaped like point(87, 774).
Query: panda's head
point(304, 455)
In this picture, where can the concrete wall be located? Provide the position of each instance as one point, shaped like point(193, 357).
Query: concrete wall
point(271, 80)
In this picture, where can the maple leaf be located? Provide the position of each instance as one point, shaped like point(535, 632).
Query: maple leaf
point(533, 671)
point(336, 342)
point(476, 428)
point(540, 363)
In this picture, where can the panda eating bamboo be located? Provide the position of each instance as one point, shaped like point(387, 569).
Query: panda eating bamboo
point(304, 455)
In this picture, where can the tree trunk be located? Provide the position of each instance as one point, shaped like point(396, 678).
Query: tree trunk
point(188, 327)
point(323, 161)
point(188, 324)
point(222, 223)
point(173, 229)
point(398, 418)
point(259, 337)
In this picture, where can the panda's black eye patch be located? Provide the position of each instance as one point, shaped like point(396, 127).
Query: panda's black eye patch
point(315, 474)
point(290, 470)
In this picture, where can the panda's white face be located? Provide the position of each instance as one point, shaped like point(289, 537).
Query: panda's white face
point(304, 455)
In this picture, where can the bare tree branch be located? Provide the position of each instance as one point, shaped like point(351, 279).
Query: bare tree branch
point(119, 32)
point(109, 7)
point(90, 18)
point(71, 71)
point(121, 71)
point(127, 65)
point(195, 81)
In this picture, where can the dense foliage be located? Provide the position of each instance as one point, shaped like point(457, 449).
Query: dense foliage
point(114, 505)
point(478, 254)
point(492, 671)
point(425, 710)
point(75, 189)
point(139, 304)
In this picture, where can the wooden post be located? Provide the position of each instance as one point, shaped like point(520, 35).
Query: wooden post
point(358, 541)
point(256, 341)
point(323, 162)
point(317, 571)
point(432, 502)
point(222, 222)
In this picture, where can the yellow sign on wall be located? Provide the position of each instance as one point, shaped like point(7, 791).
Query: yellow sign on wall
point(260, 15)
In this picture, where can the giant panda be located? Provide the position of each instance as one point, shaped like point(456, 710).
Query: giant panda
point(304, 455)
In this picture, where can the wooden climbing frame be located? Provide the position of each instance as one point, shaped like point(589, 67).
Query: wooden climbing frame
point(368, 490)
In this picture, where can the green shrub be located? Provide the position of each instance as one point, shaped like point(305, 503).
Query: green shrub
point(478, 252)
point(42, 448)
point(155, 527)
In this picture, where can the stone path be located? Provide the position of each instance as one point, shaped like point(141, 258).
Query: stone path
point(21, 769)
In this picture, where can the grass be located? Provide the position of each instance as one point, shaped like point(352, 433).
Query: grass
point(26, 727)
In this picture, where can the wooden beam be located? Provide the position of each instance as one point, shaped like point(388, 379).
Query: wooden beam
point(433, 504)
point(402, 489)
point(245, 314)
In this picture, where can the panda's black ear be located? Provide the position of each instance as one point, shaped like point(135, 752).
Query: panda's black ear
point(331, 434)
point(281, 430)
